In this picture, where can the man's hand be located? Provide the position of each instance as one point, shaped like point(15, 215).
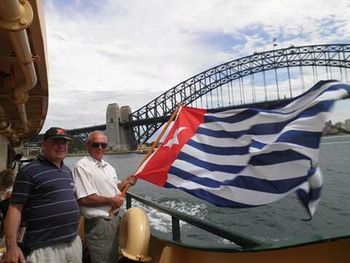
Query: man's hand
point(14, 255)
point(116, 202)
point(11, 226)
point(128, 181)
point(131, 179)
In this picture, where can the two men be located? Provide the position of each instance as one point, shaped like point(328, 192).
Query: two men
point(44, 198)
point(98, 191)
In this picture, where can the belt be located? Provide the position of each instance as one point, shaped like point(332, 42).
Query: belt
point(95, 219)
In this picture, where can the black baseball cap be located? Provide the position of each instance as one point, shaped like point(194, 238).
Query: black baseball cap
point(56, 133)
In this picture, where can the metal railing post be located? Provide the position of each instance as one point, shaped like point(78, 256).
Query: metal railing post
point(176, 229)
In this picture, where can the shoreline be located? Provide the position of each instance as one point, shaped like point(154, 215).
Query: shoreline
point(138, 152)
point(107, 153)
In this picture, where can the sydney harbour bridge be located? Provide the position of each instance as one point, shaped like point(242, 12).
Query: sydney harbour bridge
point(260, 79)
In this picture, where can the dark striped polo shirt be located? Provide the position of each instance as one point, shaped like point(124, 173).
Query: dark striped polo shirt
point(50, 211)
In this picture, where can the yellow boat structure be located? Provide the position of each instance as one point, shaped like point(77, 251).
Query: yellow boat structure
point(145, 247)
point(23, 108)
point(23, 74)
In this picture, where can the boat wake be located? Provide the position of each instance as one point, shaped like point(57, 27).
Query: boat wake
point(162, 222)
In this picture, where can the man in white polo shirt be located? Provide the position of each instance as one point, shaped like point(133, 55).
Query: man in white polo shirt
point(98, 191)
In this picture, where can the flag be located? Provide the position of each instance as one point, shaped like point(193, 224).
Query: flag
point(247, 157)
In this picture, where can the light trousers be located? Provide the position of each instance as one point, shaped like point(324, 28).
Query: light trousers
point(70, 252)
point(101, 239)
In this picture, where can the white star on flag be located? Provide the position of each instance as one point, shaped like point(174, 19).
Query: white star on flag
point(174, 140)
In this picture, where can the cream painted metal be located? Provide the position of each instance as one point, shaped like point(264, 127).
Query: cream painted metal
point(333, 251)
point(23, 76)
point(23, 85)
point(16, 16)
point(134, 235)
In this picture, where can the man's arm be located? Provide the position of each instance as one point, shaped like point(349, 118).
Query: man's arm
point(95, 200)
point(129, 180)
point(12, 224)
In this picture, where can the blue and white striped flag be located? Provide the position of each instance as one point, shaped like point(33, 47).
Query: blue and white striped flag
point(247, 157)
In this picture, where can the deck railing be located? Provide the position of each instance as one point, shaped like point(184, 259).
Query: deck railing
point(239, 239)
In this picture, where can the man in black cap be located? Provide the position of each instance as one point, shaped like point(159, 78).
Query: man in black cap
point(43, 198)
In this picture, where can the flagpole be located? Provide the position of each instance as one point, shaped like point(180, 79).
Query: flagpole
point(155, 143)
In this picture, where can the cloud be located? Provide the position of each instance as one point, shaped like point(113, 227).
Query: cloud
point(129, 52)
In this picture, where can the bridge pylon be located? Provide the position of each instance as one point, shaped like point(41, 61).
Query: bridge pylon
point(120, 137)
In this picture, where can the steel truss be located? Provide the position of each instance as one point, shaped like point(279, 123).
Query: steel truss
point(149, 118)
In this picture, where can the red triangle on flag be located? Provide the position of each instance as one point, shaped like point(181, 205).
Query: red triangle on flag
point(156, 168)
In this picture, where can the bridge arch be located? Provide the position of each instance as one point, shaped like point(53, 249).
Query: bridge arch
point(150, 117)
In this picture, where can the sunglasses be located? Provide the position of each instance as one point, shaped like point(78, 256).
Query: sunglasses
point(98, 145)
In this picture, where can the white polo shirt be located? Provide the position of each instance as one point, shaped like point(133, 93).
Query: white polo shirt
point(95, 177)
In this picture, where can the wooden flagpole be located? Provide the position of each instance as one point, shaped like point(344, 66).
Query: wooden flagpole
point(155, 143)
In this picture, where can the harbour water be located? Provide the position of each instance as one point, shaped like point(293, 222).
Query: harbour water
point(280, 221)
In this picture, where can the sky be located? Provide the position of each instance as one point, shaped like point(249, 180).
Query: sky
point(129, 52)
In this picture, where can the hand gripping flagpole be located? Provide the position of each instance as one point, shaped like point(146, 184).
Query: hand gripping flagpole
point(150, 151)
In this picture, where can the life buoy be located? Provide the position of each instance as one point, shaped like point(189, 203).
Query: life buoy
point(134, 235)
